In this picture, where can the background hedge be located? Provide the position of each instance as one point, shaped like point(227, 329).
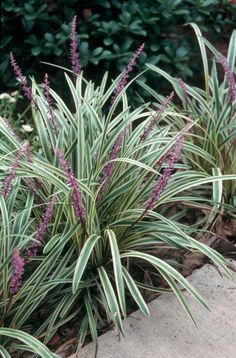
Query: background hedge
point(109, 31)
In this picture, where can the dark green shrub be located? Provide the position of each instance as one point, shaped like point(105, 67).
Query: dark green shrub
point(109, 31)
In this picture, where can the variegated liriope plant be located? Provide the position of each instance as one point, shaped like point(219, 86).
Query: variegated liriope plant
point(212, 106)
point(80, 219)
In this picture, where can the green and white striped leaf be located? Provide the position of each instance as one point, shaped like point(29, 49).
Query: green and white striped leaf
point(117, 267)
point(83, 259)
point(170, 271)
point(34, 344)
point(135, 293)
point(111, 299)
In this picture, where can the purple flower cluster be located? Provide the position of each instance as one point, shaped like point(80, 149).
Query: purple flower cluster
point(74, 54)
point(179, 138)
point(164, 157)
point(109, 167)
point(172, 157)
point(50, 105)
point(18, 265)
point(13, 132)
point(7, 185)
point(31, 184)
point(125, 75)
point(184, 90)
point(76, 198)
point(230, 79)
point(22, 79)
point(20, 142)
point(42, 229)
point(151, 125)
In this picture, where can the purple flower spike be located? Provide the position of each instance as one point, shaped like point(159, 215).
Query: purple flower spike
point(34, 183)
point(42, 229)
point(125, 75)
point(31, 186)
point(7, 185)
point(17, 271)
point(178, 141)
point(149, 128)
point(76, 198)
point(162, 182)
point(109, 167)
point(230, 79)
point(74, 54)
point(22, 79)
point(50, 106)
point(13, 132)
point(184, 90)
point(18, 139)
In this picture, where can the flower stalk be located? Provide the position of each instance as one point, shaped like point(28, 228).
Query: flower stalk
point(22, 79)
point(32, 184)
point(74, 54)
point(42, 229)
point(50, 105)
point(125, 76)
point(7, 185)
point(162, 182)
point(151, 125)
point(230, 79)
point(184, 90)
point(110, 166)
point(18, 265)
point(172, 157)
point(76, 198)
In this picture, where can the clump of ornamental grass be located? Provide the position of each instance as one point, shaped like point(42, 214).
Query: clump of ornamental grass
point(213, 109)
point(105, 181)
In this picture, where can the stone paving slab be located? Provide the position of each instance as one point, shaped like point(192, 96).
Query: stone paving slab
point(170, 334)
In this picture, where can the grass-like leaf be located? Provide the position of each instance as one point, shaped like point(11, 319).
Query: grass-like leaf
point(83, 259)
point(117, 267)
point(34, 344)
